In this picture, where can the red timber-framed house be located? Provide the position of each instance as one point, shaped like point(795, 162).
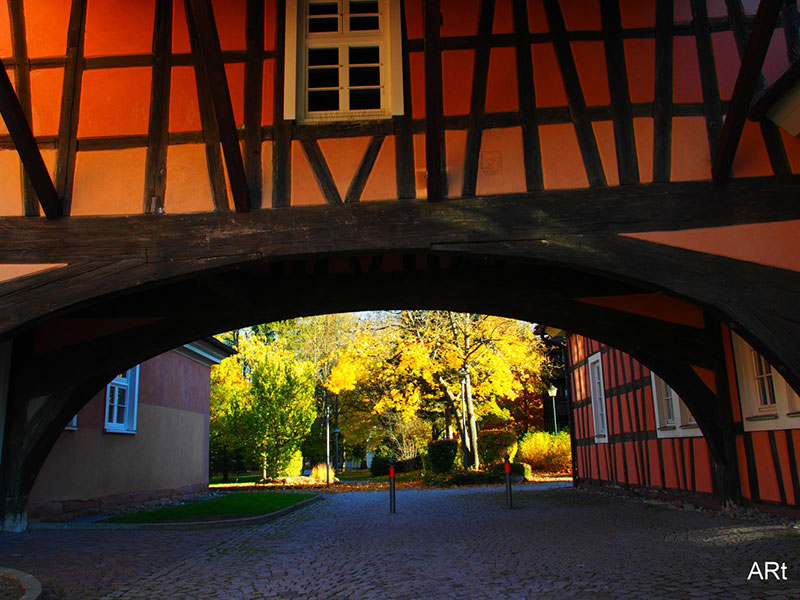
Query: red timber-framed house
point(176, 168)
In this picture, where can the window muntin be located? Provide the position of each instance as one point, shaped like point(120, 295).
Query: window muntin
point(597, 389)
point(121, 402)
point(348, 60)
point(768, 402)
point(673, 418)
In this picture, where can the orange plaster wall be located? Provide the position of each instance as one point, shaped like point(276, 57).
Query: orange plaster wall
point(708, 376)
point(46, 86)
point(343, 156)
point(501, 167)
point(783, 459)
point(640, 59)
point(655, 471)
point(305, 189)
point(6, 49)
point(582, 15)
point(457, 68)
point(46, 24)
point(270, 20)
point(266, 174)
point(12, 75)
point(767, 478)
point(774, 244)
point(109, 182)
point(751, 158)
point(419, 166)
point(682, 10)
point(230, 18)
point(503, 18)
point(501, 93)
point(776, 63)
point(456, 145)
point(689, 154)
point(561, 157)
point(111, 29)
point(604, 134)
point(234, 72)
point(184, 111)
point(726, 58)
point(730, 367)
point(188, 184)
point(11, 189)
point(590, 59)
point(382, 182)
point(702, 466)
point(9, 272)
point(643, 132)
point(686, 70)
point(743, 472)
point(456, 20)
point(792, 145)
point(414, 19)
point(267, 92)
point(417, 66)
point(636, 13)
point(547, 80)
point(655, 306)
point(537, 17)
point(115, 102)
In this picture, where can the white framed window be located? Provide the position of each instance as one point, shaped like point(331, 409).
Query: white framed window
point(598, 391)
point(343, 60)
point(73, 424)
point(121, 402)
point(673, 418)
point(767, 401)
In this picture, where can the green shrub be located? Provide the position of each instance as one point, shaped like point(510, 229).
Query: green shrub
point(521, 469)
point(493, 445)
point(379, 465)
point(295, 466)
point(546, 452)
point(442, 455)
point(475, 478)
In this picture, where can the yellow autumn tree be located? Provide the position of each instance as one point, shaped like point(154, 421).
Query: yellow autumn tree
point(444, 366)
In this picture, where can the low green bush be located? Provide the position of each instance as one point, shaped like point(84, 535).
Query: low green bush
point(379, 465)
point(494, 444)
point(295, 466)
point(546, 452)
point(475, 478)
point(521, 469)
point(442, 455)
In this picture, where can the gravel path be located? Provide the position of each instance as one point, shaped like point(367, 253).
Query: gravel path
point(455, 543)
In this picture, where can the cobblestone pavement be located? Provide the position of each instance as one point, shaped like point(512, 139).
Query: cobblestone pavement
point(455, 543)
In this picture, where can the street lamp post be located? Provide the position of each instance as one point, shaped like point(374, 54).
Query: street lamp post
point(336, 451)
point(327, 445)
point(552, 391)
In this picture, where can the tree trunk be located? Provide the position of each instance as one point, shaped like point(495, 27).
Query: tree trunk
point(473, 428)
point(448, 421)
point(264, 467)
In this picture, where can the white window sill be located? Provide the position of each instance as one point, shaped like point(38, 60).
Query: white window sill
point(114, 430)
point(793, 414)
point(667, 428)
point(761, 417)
point(690, 426)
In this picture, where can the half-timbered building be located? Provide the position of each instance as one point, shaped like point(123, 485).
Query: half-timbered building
point(176, 168)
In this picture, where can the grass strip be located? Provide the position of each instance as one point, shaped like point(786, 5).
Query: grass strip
point(236, 505)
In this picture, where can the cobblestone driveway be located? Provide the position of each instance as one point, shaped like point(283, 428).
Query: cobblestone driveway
point(457, 543)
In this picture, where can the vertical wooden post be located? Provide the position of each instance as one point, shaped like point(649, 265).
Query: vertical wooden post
point(434, 103)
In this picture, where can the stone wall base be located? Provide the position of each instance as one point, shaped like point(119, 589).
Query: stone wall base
point(67, 510)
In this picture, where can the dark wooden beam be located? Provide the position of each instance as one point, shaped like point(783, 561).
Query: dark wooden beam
point(155, 178)
point(770, 95)
point(253, 92)
point(282, 129)
point(322, 172)
point(208, 58)
point(20, 130)
point(359, 181)
point(662, 105)
point(627, 160)
point(712, 104)
point(577, 103)
point(480, 79)
point(746, 82)
point(23, 87)
point(70, 104)
point(434, 103)
point(403, 136)
point(531, 143)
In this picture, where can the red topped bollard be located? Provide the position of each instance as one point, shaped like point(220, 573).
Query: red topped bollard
point(507, 466)
point(392, 506)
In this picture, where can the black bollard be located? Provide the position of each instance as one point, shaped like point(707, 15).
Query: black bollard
point(392, 507)
point(507, 466)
